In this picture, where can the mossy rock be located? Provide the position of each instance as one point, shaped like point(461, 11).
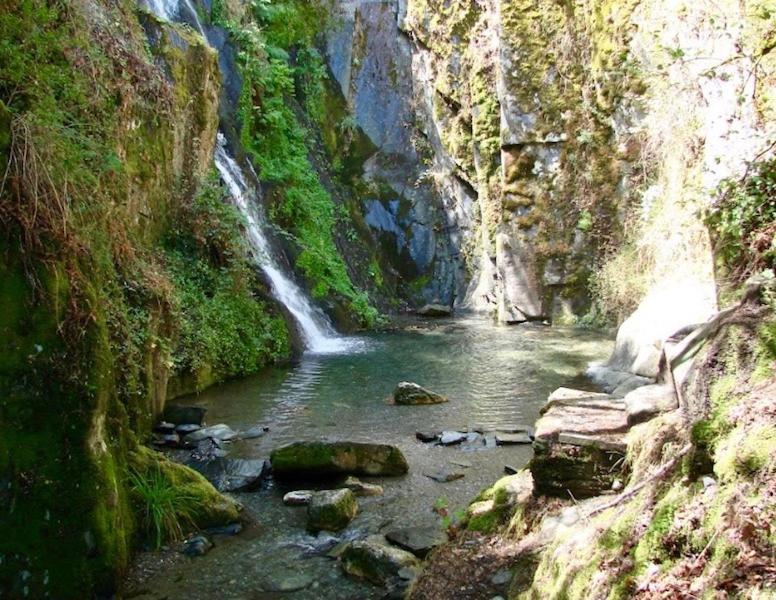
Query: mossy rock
point(331, 510)
point(374, 560)
point(321, 459)
point(211, 508)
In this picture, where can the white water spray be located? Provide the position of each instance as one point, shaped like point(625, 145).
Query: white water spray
point(176, 10)
point(319, 336)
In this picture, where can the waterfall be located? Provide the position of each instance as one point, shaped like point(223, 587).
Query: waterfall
point(176, 10)
point(318, 334)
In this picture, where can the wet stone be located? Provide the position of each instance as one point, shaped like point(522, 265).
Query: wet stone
point(220, 432)
point(407, 393)
point(504, 439)
point(197, 546)
point(185, 415)
point(187, 428)
point(297, 498)
point(445, 475)
point(448, 438)
point(418, 540)
point(164, 427)
point(427, 437)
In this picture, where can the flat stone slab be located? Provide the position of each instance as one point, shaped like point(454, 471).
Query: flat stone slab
point(445, 475)
point(585, 420)
point(644, 403)
point(418, 540)
point(570, 397)
point(615, 442)
point(505, 439)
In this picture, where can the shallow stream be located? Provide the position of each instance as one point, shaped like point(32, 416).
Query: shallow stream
point(494, 377)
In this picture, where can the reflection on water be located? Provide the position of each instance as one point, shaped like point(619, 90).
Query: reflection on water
point(492, 375)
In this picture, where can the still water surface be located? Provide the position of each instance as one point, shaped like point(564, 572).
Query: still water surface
point(494, 376)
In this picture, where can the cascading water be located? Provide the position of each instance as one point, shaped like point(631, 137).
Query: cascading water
point(176, 10)
point(319, 336)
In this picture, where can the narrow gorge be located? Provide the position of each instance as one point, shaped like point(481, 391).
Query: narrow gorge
point(358, 299)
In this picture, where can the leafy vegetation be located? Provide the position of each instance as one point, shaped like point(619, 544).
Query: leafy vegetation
point(276, 87)
point(222, 324)
point(743, 222)
point(166, 512)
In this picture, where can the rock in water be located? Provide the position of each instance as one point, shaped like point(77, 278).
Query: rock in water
point(197, 546)
point(435, 310)
point(427, 436)
point(504, 439)
point(185, 415)
point(418, 540)
point(445, 475)
point(232, 474)
point(448, 438)
point(359, 488)
point(220, 432)
point(331, 510)
point(297, 498)
point(407, 393)
point(320, 459)
point(374, 560)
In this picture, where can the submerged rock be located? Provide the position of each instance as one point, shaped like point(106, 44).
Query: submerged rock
point(220, 432)
point(435, 310)
point(185, 415)
point(407, 393)
point(319, 459)
point(445, 475)
point(504, 439)
point(253, 432)
point(418, 540)
point(290, 580)
point(360, 488)
point(376, 561)
point(233, 474)
point(197, 546)
point(448, 438)
point(331, 510)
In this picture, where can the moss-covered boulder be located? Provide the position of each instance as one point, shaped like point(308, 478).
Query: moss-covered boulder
point(331, 510)
point(321, 459)
point(205, 506)
point(411, 393)
point(374, 560)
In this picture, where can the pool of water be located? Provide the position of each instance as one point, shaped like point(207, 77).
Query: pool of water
point(493, 376)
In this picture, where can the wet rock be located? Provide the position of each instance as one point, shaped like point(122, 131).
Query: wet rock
point(319, 459)
point(186, 428)
point(505, 439)
point(220, 432)
point(185, 415)
point(435, 310)
point(331, 510)
point(445, 475)
point(197, 546)
point(510, 470)
point(168, 440)
point(253, 432)
point(631, 383)
point(233, 474)
point(291, 580)
point(297, 498)
point(427, 437)
point(649, 401)
point(164, 427)
point(490, 440)
point(360, 488)
point(408, 393)
point(205, 450)
point(231, 529)
point(461, 463)
point(448, 438)
point(376, 561)
point(418, 540)
point(501, 577)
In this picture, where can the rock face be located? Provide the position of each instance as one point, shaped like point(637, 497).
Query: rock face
point(185, 415)
point(376, 561)
point(321, 459)
point(407, 393)
point(331, 510)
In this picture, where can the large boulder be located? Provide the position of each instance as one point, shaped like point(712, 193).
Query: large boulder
point(321, 459)
point(179, 414)
point(331, 510)
point(411, 393)
point(435, 310)
point(376, 561)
